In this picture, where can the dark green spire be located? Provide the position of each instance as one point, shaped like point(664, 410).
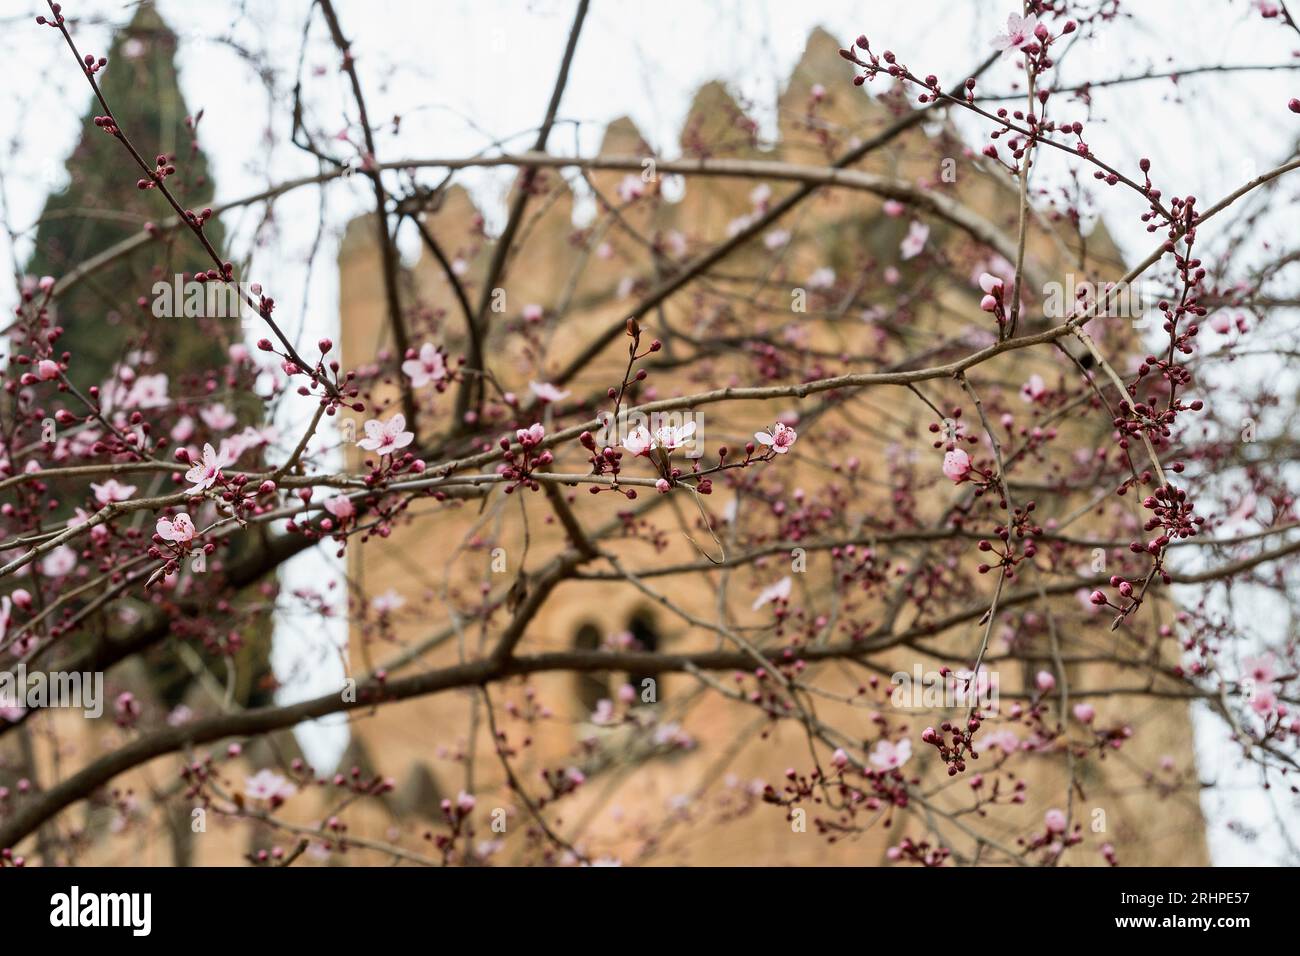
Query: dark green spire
point(101, 205)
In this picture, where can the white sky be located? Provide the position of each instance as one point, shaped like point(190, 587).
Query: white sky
point(441, 63)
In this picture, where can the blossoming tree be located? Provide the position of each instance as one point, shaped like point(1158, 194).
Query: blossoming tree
point(822, 457)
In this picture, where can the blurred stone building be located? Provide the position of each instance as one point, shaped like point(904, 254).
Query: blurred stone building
point(646, 797)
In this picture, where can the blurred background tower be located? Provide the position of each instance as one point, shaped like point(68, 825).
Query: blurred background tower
point(106, 329)
point(101, 206)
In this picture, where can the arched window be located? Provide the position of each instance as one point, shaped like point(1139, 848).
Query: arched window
point(642, 627)
point(592, 686)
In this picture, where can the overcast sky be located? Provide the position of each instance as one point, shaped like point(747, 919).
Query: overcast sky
point(466, 73)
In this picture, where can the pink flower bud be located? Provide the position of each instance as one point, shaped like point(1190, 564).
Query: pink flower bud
point(1084, 713)
point(1045, 681)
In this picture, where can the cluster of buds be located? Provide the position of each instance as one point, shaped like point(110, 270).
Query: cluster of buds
point(200, 218)
point(868, 792)
point(1023, 528)
point(519, 465)
point(922, 853)
point(1152, 194)
point(560, 782)
point(1054, 836)
point(58, 21)
point(107, 124)
point(604, 461)
point(1171, 510)
point(871, 66)
point(92, 65)
point(954, 752)
point(994, 301)
point(163, 167)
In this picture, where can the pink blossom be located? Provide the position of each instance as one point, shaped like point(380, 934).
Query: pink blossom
point(671, 437)
point(217, 417)
point(47, 370)
point(781, 439)
point(1055, 820)
point(387, 602)
point(990, 283)
point(206, 472)
point(1262, 669)
point(776, 239)
point(638, 441)
point(530, 436)
point(1263, 701)
point(268, 785)
point(149, 391)
point(889, 756)
point(840, 758)
point(1084, 713)
point(111, 490)
point(1044, 681)
point(823, 278)
point(631, 188)
point(179, 529)
point(1034, 389)
point(386, 437)
point(428, 367)
point(11, 710)
point(894, 208)
point(914, 242)
point(126, 707)
point(662, 486)
point(59, 562)
point(46, 283)
point(183, 430)
point(1020, 31)
point(1004, 740)
point(341, 507)
point(548, 392)
point(956, 465)
point(533, 313)
point(779, 591)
